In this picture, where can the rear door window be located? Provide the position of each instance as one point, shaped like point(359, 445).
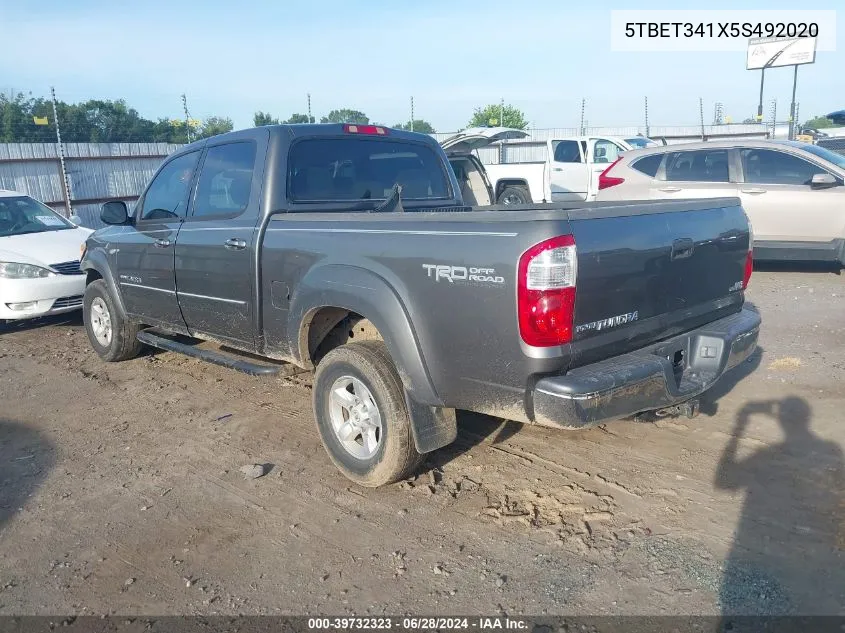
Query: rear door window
point(343, 169)
point(709, 165)
point(765, 166)
point(225, 180)
point(648, 165)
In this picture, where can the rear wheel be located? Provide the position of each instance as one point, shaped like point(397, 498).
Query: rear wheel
point(514, 194)
point(359, 406)
point(111, 336)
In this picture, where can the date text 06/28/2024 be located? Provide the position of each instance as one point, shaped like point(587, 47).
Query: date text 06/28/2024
point(418, 623)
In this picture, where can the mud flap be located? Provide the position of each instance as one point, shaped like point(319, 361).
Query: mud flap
point(433, 427)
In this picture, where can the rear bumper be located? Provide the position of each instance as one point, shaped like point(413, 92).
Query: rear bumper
point(648, 379)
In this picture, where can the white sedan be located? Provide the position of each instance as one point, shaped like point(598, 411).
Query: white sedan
point(39, 259)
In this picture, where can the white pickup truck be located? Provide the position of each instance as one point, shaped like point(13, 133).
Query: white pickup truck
point(568, 169)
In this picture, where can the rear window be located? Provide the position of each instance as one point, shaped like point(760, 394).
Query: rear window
point(342, 169)
point(648, 165)
point(698, 166)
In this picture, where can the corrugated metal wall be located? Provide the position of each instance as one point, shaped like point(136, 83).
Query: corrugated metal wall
point(96, 171)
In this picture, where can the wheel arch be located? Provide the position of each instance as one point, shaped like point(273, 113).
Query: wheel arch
point(95, 266)
point(503, 184)
point(330, 294)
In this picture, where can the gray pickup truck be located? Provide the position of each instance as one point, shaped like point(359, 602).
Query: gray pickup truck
point(348, 249)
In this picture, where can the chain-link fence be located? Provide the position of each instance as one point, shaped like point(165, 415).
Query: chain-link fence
point(834, 144)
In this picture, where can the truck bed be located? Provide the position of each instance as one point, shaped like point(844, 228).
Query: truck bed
point(631, 290)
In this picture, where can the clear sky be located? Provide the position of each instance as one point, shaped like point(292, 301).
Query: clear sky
point(233, 58)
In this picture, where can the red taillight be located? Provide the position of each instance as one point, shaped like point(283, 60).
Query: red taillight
point(606, 181)
point(351, 128)
point(546, 292)
point(749, 267)
point(749, 258)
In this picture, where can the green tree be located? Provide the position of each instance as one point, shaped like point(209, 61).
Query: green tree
point(494, 115)
point(420, 125)
point(345, 115)
point(300, 118)
point(819, 123)
point(264, 118)
point(214, 125)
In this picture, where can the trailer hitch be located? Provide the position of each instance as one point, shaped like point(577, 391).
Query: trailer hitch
point(690, 409)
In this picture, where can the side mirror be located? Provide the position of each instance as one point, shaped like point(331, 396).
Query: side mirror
point(115, 212)
point(75, 220)
point(821, 181)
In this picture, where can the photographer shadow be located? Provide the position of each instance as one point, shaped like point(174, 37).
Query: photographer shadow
point(787, 554)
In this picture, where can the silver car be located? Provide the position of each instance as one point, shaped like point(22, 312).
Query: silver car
point(792, 192)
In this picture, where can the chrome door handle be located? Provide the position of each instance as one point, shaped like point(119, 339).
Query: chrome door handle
point(162, 243)
point(753, 191)
point(235, 244)
point(670, 189)
point(557, 168)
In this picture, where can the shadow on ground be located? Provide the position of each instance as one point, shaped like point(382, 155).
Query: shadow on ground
point(473, 429)
point(26, 457)
point(788, 553)
point(69, 318)
point(798, 267)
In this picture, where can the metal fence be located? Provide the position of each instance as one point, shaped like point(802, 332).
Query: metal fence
point(96, 172)
point(834, 144)
point(107, 171)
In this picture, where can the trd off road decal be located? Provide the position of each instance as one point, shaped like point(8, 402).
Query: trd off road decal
point(463, 275)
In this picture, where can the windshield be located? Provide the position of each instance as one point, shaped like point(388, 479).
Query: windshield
point(640, 141)
point(21, 214)
point(828, 155)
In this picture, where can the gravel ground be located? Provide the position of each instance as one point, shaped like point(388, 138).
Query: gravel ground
point(122, 491)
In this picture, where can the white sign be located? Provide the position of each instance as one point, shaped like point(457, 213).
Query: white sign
point(774, 52)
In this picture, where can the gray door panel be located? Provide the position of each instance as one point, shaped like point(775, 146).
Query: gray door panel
point(145, 252)
point(215, 249)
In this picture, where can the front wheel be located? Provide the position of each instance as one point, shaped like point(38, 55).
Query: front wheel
point(360, 410)
point(112, 336)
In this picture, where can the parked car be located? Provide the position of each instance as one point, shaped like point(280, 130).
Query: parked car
point(792, 192)
point(476, 188)
point(39, 259)
point(568, 171)
point(348, 248)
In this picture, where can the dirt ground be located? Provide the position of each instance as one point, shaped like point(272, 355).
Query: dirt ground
point(120, 492)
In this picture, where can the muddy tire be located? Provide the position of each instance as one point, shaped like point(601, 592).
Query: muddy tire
point(111, 336)
point(359, 406)
point(514, 195)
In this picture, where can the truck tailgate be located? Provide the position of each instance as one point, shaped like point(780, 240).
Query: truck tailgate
point(644, 276)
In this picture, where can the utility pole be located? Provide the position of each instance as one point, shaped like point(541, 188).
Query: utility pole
point(774, 117)
point(583, 110)
point(61, 153)
point(187, 117)
point(412, 114)
point(310, 118)
point(502, 113)
point(701, 117)
point(647, 131)
point(793, 110)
